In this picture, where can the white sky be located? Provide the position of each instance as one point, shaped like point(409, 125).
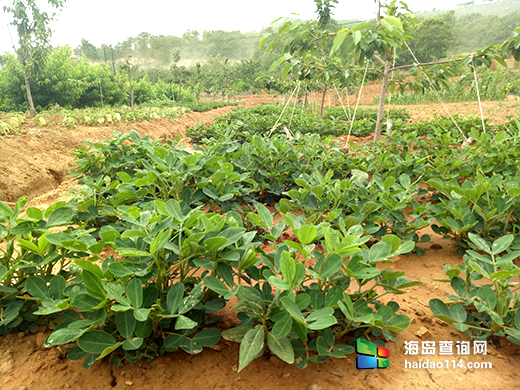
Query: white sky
point(111, 21)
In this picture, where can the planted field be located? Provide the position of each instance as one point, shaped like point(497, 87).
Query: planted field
point(252, 261)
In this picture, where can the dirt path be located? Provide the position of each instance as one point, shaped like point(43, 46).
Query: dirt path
point(36, 164)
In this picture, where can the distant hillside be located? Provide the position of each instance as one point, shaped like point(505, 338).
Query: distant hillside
point(498, 8)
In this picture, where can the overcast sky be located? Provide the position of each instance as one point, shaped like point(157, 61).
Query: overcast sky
point(111, 21)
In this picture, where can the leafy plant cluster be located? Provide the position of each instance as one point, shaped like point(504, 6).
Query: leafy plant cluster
point(488, 310)
point(261, 119)
point(148, 252)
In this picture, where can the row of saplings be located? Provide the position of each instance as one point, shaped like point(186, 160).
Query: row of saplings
point(178, 262)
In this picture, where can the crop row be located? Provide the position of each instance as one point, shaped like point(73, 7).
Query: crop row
point(157, 240)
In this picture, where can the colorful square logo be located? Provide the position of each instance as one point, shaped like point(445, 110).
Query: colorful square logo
point(371, 356)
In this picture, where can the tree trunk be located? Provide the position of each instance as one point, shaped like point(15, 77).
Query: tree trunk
point(180, 90)
point(29, 96)
point(323, 100)
point(381, 110)
point(131, 90)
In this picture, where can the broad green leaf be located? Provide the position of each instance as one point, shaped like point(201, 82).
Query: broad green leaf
point(488, 296)
point(60, 216)
point(265, 214)
point(397, 323)
point(338, 40)
point(331, 266)
point(252, 346)
point(134, 291)
point(28, 245)
point(190, 346)
point(37, 287)
point(173, 342)
point(214, 243)
point(479, 242)
point(393, 240)
point(107, 351)
point(288, 267)
point(236, 334)
point(306, 234)
point(93, 284)
point(190, 301)
point(458, 313)
point(504, 274)
point(281, 347)
point(440, 310)
point(282, 327)
point(293, 310)
point(95, 341)
point(501, 244)
point(379, 251)
point(174, 297)
point(132, 344)
point(323, 323)
point(207, 337)
point(141, 315)
point(63, 336)
point(215, 284)
point(184, 322)
point(125, 322)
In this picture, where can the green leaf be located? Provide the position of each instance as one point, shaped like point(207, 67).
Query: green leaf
point(281, 347)
point(141, 315)
point(366, 273)
point(63, 336)
point(184, 322)
point(379, 251)
point(488, 296)
point(132, 344)
point(397, 323)
point(338, 40)
point(28, 245)
point(324, 312)
point(277, 63)
point(306, 234)
point(252, 346)
point(288, 267)
point(458, 313)
point(393, 240)
point(125, 322)
point(278, 283)
point(107, 351)
point(501, 244)
point(207, 337)
point(265, 214)
point(174, 297)
point(173, 342)
point(214, 243)
point(323, 322)
point(282, 327)
point(57, 286)
point(332, 265)
point(93, 284)
point(504, 274)
point(96, 341)
point(190, 346)
point(440, 310)
point(479, 242)
point(134, 291)
point(190, 301)
point(215, 284)
point(293, 310)
point(60, 216)
point(37, 287)
point(236, 334)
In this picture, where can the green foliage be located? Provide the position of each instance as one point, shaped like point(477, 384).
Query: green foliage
point(261, 119)
point(491, 310)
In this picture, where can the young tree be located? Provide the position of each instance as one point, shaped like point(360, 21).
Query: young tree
point(32, 26)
